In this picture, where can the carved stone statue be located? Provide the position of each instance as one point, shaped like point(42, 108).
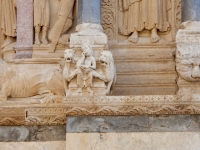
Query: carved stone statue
point(8, 22)
point(144, 14)
point(68, 72)
point(63, 23)
point(109, 71)
point(25, 82)
point(86, 66)
point(41, 20)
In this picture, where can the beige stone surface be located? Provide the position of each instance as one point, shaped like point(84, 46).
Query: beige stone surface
point(1, 34)
point(54, 145)
point(187, 58)
point(133, 141)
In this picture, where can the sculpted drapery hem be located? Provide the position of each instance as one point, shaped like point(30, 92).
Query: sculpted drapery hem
point(41, 13)
point(145, 14)
point(8, 24)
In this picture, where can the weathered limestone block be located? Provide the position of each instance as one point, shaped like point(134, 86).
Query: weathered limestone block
point(187, 58)
point(136, 141)
point(122, 124)
point(32, 133)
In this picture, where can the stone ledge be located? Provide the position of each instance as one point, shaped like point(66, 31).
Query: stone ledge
point(25, 113)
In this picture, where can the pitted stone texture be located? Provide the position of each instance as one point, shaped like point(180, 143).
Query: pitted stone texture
point(172, 123)
point(107, 124)
point(32, 133)
point(190, 10)
point(133, 141)
point(14, 134)
point(24, 29)
point(89, 11)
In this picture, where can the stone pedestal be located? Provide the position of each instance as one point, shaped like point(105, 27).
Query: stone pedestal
point(89, 31)
point(24, 43)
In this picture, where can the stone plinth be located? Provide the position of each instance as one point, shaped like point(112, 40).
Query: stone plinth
point(190, 10)
point(136, 141)
point(24, 43)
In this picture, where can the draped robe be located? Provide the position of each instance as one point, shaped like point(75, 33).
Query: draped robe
point(41, 13)
point(145, 14)
point(8, 22)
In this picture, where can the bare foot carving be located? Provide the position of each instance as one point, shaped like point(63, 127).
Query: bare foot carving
point(90, 91)
point(44, 41)
point(134, 37)
point(154, 36)
point(37, 41)
point(9, 40)
point(123, 30)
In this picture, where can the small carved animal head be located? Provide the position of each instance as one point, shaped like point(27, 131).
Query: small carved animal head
point(87, 50)
point(106, 58)
point(69, 55)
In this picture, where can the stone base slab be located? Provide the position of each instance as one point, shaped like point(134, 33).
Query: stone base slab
point(33, 145)
point(130, 141)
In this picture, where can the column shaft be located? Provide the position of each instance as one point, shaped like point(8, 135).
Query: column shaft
point(24, 44)
point(190, 10)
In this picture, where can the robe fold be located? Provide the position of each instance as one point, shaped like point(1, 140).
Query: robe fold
point(41, 13)
point(9, 21)
point(145, 14)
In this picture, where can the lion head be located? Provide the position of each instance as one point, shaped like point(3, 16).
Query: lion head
point(106, 58)
point(69, 55)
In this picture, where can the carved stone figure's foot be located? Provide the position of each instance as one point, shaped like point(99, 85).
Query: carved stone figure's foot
point(90, 91)
point(79, 90)
point(9, 40)
point(37, 41)
point(44, 41)
point(154, 36)
point(134, 37)
point(123, 30)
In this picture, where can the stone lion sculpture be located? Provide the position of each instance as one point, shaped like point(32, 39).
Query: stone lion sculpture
point(27, 82)
point(109, 71)
point(68, 72)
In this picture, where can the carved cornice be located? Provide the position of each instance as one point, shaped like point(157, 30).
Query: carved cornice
point(22, 112)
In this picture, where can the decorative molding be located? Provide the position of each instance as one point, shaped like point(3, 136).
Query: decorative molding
point(51, 114)
point(109, 21)
point(12, 116)
point(45, 116)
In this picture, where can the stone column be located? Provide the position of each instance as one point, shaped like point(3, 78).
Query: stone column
point(24, 45)
point(190, 10)
point(89, 27)
point(188, 46)
point(89, 11)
